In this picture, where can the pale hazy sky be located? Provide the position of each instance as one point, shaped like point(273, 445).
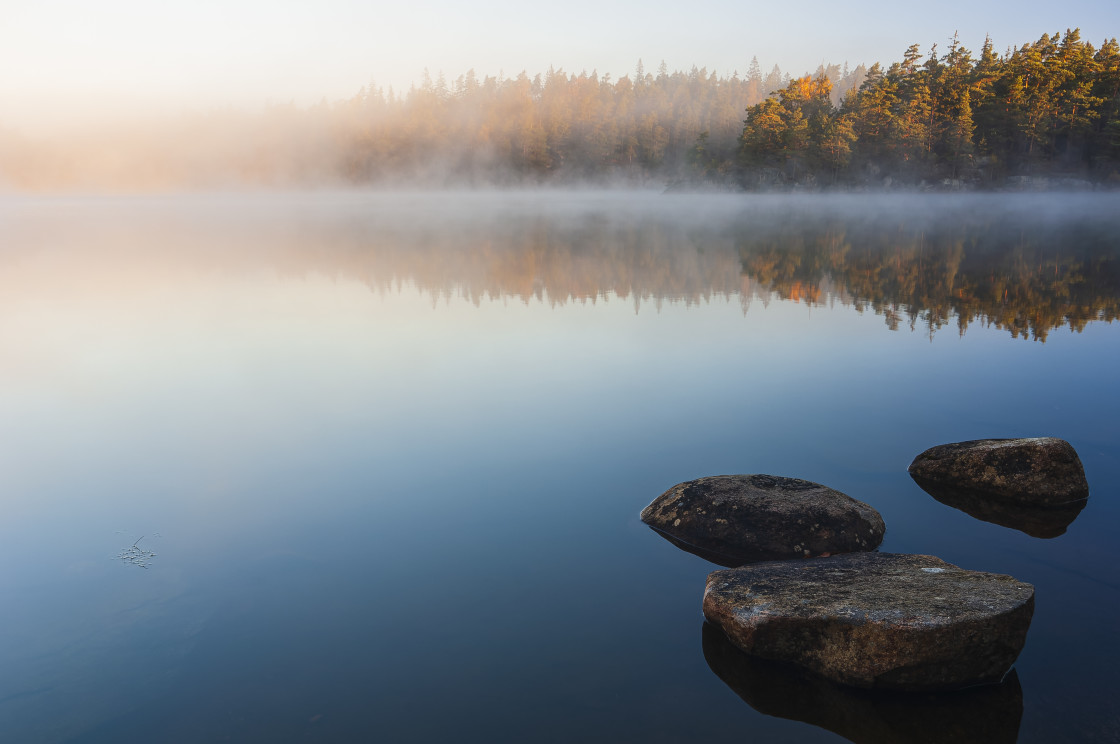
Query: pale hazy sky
point(71, 60)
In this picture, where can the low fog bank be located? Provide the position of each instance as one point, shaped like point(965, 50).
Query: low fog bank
point(215, 151)
point(558, 128)
point(419, 210)
point(1025, 263)
point(299, 150)
point(307, 150)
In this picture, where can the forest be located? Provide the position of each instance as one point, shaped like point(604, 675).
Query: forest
point(1049, 108)
point(1045, 113)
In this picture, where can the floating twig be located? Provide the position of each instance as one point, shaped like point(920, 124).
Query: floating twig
point(136, 555)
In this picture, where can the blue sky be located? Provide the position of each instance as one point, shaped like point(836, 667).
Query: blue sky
point(70, 60)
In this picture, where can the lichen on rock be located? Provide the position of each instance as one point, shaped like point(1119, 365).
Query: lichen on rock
point(1039, 471)
point(876, 620)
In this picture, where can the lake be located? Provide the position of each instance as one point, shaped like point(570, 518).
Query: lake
point(349, 467)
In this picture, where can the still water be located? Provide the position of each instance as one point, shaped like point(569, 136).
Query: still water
point(368, 467)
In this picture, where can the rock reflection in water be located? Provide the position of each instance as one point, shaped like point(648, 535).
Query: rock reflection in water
point(719, 559)
point(1036, 521)
point(990, 714)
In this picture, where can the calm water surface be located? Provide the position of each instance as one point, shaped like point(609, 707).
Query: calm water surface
point(389, 453)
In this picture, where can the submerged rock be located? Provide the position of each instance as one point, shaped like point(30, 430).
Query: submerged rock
point(876, 620)
point(986, 714)
point(1041, 471)
point(737, 519)
point(1036, 521)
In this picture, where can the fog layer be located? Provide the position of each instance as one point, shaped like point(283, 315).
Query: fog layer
point(551, 127)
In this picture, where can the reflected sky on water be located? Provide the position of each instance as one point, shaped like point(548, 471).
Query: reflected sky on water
point(389, 450)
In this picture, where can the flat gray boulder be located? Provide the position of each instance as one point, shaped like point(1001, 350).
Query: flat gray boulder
point(876, 620)
point(737, 519)
point(1041, 471)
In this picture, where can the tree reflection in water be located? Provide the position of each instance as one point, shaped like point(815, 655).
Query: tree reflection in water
point(1028, 264)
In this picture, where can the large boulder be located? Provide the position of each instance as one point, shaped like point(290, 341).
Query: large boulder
point(876, 620)
point(737, 519)
point(1041, 471)
point(984, 714)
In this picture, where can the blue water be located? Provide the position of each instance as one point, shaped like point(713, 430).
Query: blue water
point(389, 452)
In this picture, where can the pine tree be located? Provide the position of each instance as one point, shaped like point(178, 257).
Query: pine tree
point(958, 136)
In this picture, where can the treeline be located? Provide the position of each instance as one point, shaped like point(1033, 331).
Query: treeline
point(1047, 108)
point(558, 126)
point(1050, 108)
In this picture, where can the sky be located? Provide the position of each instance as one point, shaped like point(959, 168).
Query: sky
point(69, 62)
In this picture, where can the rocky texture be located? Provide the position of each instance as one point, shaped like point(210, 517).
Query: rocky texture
point(737, 519)
point(985, 714)
point(877, 620)
point(1041, 471)
point(1036, 521)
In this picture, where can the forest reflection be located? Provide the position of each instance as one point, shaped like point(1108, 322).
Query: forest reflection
point(919, 264)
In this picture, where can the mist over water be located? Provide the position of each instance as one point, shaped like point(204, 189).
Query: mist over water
point(387, 451)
